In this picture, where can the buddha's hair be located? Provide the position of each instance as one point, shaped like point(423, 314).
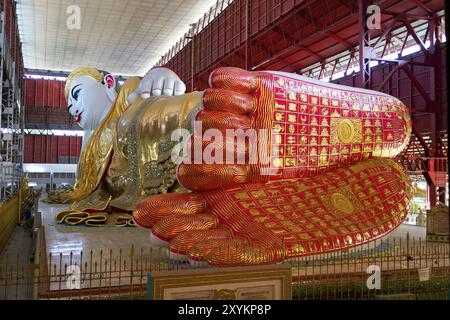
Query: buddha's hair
point(94, 73)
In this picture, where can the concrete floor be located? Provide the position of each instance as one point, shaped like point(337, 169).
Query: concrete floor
point(415, 232)
point(15, 264)
point(63, 239)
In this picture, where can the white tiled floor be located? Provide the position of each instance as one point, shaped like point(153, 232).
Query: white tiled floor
point(95, 249)
point(65, 239)
point(107, 249)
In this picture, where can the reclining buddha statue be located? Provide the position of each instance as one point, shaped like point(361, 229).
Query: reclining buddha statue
point(111, 120)
point(267, 165)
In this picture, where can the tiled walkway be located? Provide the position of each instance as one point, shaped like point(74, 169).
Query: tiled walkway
point(94, 249)
point(14, 265)
point(65, 239)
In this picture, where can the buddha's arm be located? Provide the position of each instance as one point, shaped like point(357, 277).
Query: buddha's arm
point(144, 141)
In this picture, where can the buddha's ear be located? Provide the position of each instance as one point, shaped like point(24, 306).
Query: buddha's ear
point(110, 84)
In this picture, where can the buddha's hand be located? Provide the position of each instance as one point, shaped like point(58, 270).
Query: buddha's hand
point(263, 212)
point(159, 81)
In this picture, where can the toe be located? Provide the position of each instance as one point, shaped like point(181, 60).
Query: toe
point(168, 228)
point(182, 243)
point(202, 177)
point(157, 207)
point(207, 249)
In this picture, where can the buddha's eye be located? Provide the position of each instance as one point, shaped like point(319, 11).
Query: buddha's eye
point(76, 94)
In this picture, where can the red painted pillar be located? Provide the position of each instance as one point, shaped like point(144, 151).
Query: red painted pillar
point(432, 195)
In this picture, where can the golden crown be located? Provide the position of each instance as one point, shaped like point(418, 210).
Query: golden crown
point(83, 71)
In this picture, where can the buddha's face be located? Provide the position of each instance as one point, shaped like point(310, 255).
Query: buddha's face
point(89, 100)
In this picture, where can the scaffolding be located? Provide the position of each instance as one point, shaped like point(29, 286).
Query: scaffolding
point(11, 115)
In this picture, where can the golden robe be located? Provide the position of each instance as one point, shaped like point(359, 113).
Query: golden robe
point(127, 158)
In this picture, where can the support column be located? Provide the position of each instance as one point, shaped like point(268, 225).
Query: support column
point(438, 196)
point(365, 50)
point(441, 196)
point(248, 40)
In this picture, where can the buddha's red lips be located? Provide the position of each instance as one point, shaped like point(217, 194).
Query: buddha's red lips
point(78, 119)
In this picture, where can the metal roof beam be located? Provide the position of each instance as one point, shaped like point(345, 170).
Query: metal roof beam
point(297, 43)
point(340, 40)
point(422, 5)
point(283, 60)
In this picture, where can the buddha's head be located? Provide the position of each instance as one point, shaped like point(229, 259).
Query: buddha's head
point(90, 94)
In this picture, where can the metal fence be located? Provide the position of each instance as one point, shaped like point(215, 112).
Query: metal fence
point(384, 269)
point(388, 269)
